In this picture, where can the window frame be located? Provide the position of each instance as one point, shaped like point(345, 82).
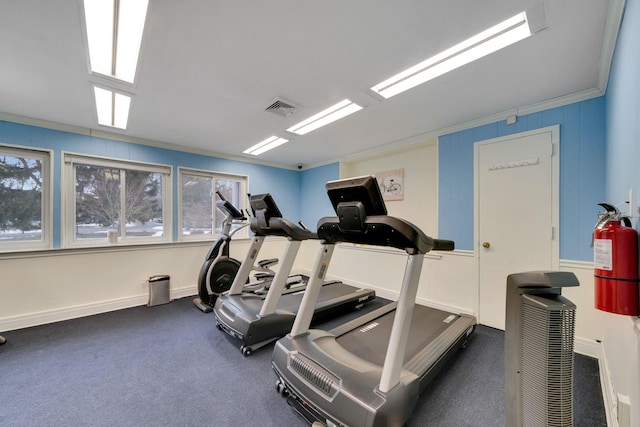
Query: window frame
point(69, 160)
point(214, 175)
point(46, 208)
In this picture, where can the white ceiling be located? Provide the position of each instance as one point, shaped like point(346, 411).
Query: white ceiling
point(209, 68)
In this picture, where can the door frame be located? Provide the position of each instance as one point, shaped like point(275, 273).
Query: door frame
point(555, 197)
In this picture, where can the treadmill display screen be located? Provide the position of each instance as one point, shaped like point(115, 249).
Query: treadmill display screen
point(266, 203)
point(264, 208)
point(362, 189)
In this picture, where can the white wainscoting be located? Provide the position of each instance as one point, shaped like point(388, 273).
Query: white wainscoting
point(40, 288)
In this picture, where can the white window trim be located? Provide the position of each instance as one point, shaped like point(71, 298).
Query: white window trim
point(46, 157)
point(244, 185)
point(68, 207)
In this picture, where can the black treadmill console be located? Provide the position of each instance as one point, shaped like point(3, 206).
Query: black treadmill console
point(264, 208)
point(362, 218)
point(225, 206)
point(354, 199)
point(363, 189)
point(268, 221)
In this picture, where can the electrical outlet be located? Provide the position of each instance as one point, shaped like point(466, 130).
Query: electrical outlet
point(624, 411)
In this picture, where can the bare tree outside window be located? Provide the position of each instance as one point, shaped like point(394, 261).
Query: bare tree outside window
point(197, 206)
point(108, 198)
point(143, 204)
point(200, 217)
point(97, 200)
point(20, 198)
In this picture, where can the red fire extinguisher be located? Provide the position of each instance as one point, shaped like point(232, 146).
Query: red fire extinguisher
point(615, 245)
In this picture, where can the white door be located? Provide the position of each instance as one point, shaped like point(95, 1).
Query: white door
point(516, 188)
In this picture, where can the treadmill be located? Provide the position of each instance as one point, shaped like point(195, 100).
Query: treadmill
point(219, 268)
point(370, 371)
point(258, 320)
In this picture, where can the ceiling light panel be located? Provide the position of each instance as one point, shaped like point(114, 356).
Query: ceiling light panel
point(266, 145)
point(114, 35)
point(112, 108)
point(491, 40)
point(99, 17)
point(132, 15)
point(323, 118)
point(121, 110)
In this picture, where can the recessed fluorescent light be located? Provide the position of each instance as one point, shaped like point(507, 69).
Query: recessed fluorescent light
point(112, 108)
point(331, 114)
point(114, 34)
point(266, 145)
point(495, 38)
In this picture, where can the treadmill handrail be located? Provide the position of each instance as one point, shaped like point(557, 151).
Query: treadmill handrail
point(280, 280)
point(278, 226)
point(382, 230)
point(242, 276)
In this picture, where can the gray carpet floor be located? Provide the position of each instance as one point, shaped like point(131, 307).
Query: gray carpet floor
point(169, 366)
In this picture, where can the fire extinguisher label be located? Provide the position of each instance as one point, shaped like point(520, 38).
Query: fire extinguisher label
point(602, 254)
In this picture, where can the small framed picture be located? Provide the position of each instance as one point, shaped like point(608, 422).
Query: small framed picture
point(391, 184)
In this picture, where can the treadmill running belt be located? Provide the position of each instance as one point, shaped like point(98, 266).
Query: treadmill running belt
point(370, 341)
point(330, 292)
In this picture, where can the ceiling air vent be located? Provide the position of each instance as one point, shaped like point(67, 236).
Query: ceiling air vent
point(281, 107)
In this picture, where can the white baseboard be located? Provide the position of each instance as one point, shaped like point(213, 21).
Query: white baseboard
point(189, 291)
point(608, 393)
point(42, 318)
point(587, 347)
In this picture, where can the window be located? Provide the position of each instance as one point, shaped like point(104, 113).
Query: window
point(199, 218)
point(25, 199)
point(111, 201)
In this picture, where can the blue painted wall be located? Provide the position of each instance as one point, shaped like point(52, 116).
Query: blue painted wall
point(314, 202)
point(623, 111)
point(283, 184)
point(582, 174)
point(301, 195)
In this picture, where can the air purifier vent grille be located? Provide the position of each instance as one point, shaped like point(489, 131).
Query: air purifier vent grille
point(546, 369)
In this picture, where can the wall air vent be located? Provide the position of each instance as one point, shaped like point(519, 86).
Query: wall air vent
point(281, 107)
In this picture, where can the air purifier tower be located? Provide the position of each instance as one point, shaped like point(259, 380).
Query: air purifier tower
point(539, 336)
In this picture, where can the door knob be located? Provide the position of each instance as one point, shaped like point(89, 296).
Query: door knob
point(486, 245)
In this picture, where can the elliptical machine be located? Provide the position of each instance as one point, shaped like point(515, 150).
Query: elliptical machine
point(219, 269)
